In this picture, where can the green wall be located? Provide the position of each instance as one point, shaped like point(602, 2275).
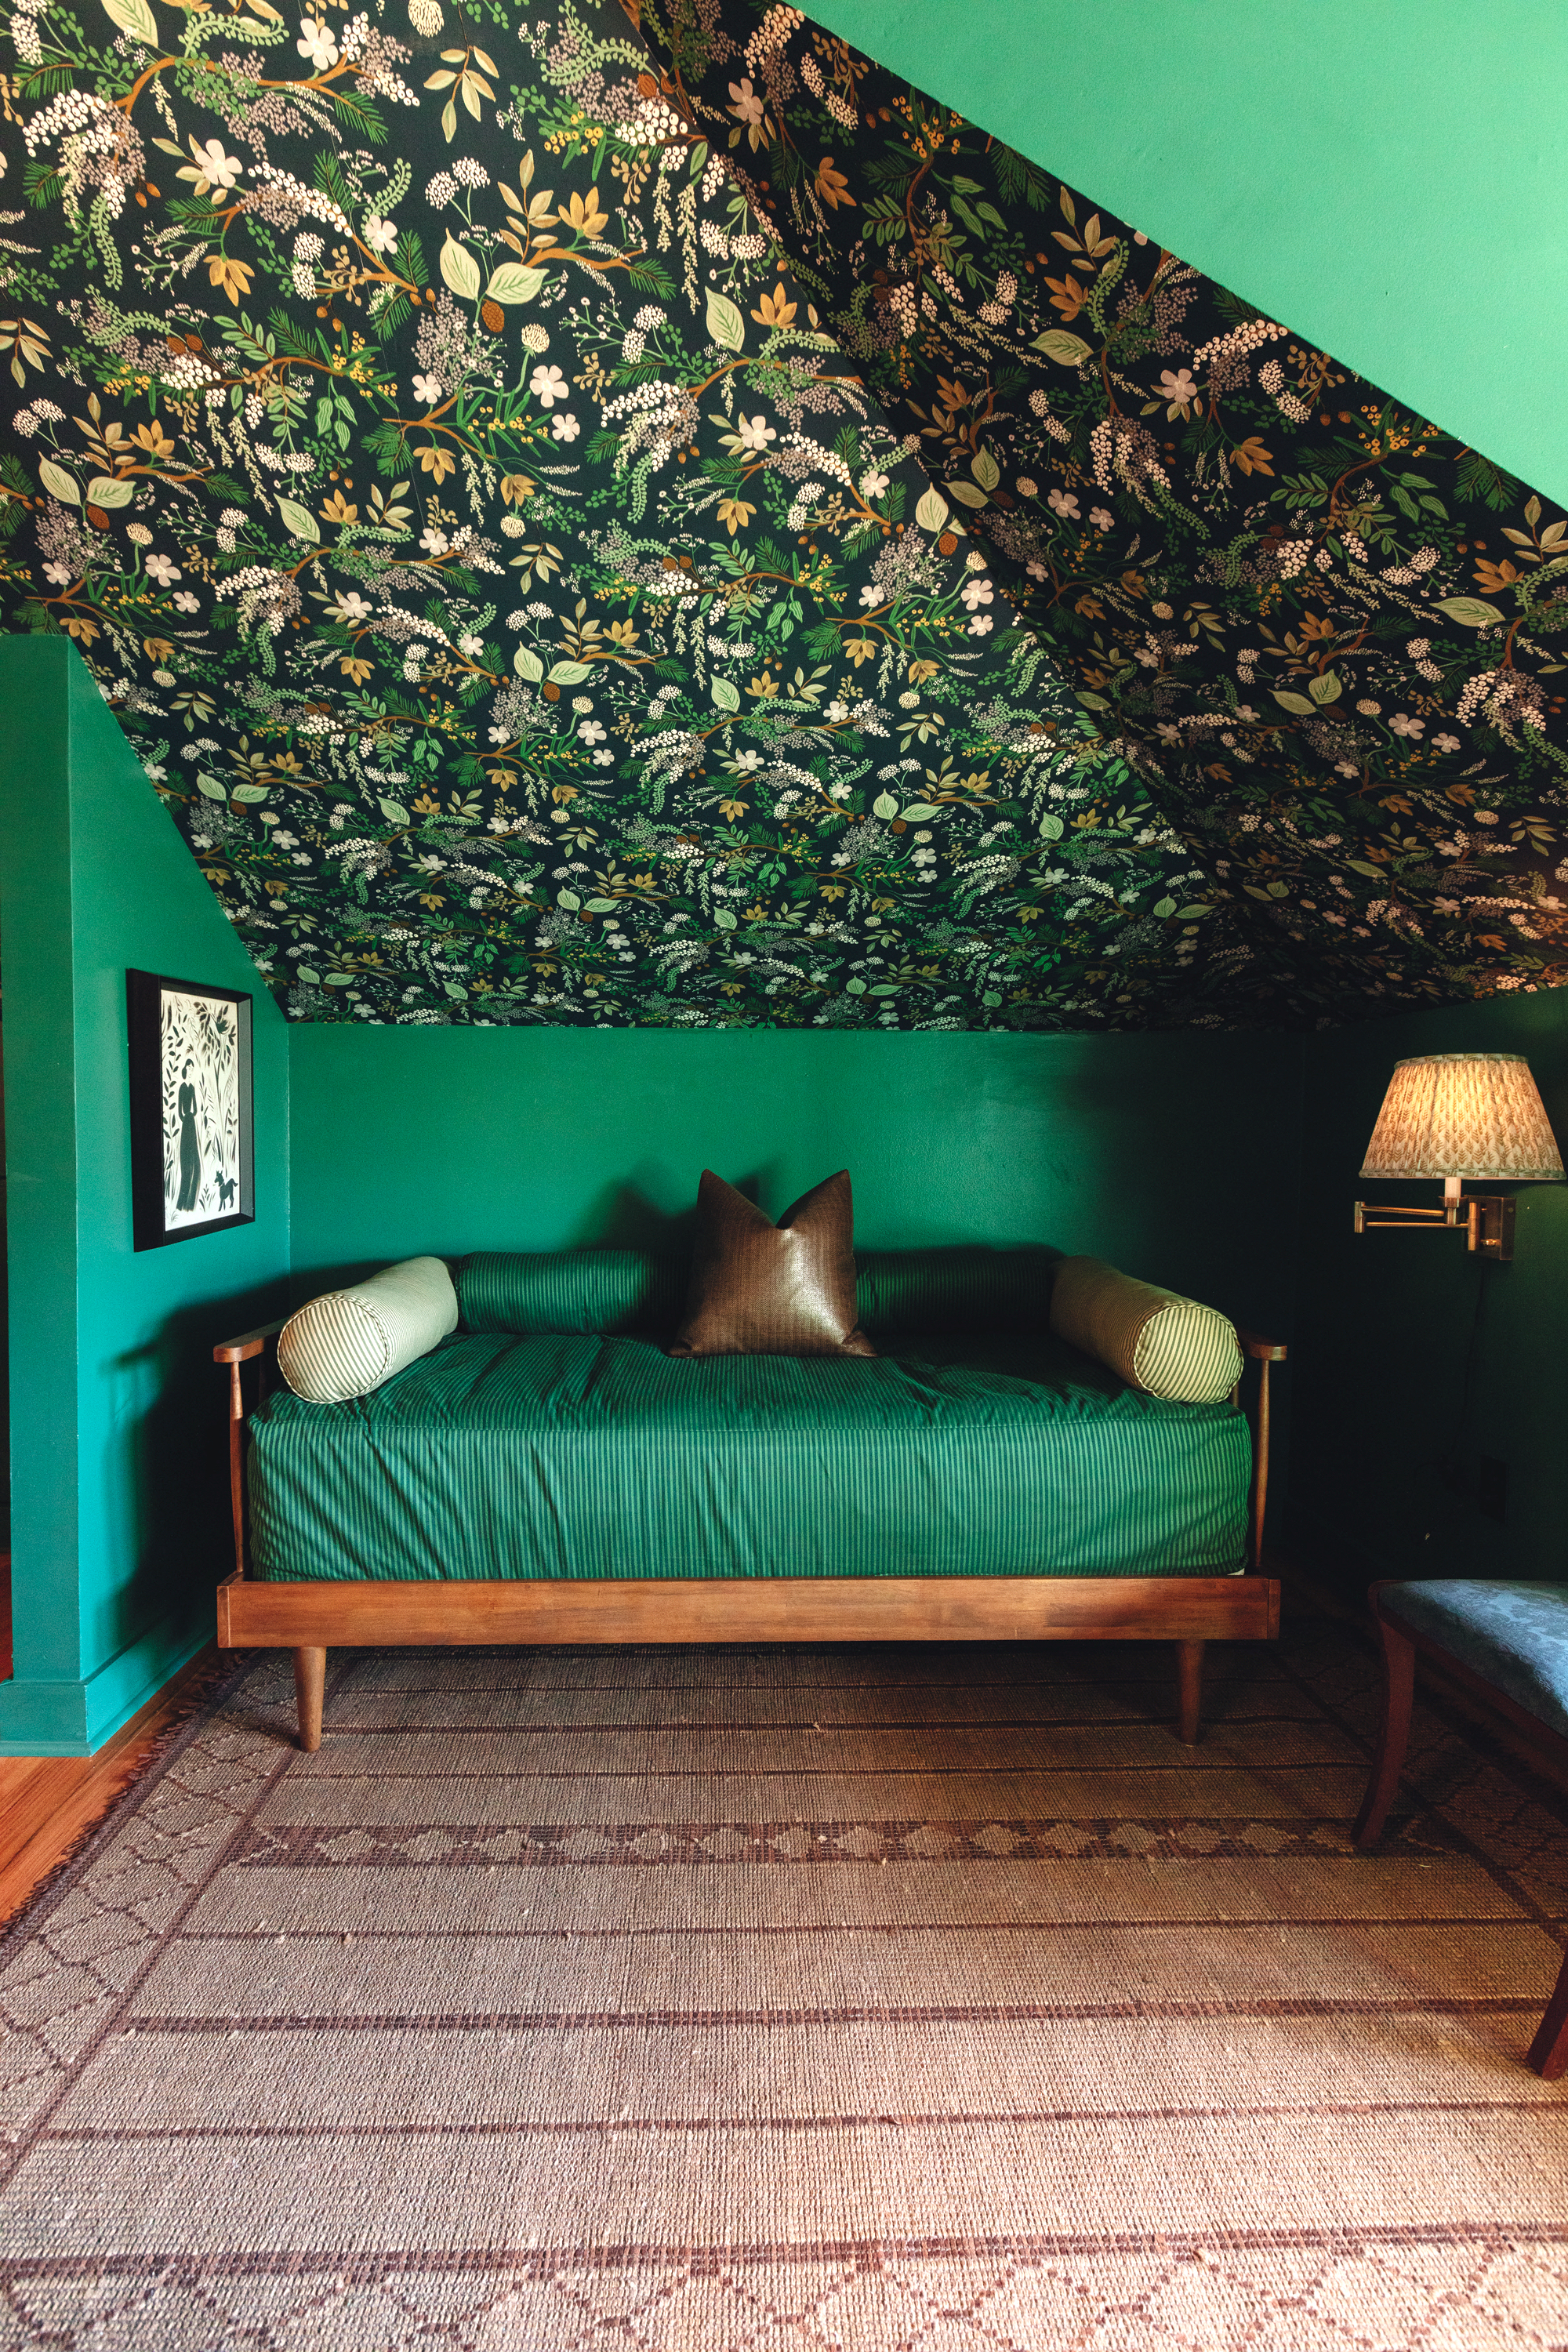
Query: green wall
point(1173, 1155)
point(117, 1471)
point(1395, 1328)
point(1388, 177)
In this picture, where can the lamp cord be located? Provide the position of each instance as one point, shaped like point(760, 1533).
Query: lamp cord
point(1462, 1423)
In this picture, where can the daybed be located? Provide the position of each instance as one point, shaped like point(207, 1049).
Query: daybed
point(550, 1474)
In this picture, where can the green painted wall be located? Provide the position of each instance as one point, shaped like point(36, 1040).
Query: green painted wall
point(1388, 179)
point(1397, 1329)
point(119, 1482)
point(1172, 1155)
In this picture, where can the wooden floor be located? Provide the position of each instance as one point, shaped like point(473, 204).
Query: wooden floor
point(47, 1803)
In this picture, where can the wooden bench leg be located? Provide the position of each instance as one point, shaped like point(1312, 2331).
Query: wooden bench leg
point(1399, 1689)
point(309, 1682)
point(1190, 1683)
point(1549, 2051)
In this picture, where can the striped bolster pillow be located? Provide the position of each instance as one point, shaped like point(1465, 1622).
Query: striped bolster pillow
point(347, 1342)
point(1156, 1341)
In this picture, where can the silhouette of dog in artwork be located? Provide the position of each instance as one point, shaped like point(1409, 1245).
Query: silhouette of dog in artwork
point(225, 1188)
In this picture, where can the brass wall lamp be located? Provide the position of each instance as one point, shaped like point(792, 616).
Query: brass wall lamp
point(1458, 1115)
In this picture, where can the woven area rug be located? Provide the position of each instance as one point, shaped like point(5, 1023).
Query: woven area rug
point(679, 2001)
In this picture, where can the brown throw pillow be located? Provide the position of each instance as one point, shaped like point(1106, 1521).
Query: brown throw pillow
point(761, 1289)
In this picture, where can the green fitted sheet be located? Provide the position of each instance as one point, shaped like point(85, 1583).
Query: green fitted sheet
point(585, 1456)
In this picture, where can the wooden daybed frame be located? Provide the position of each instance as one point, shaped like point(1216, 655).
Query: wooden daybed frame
point(309, 1618)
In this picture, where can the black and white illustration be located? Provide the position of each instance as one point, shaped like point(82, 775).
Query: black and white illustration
point(189, 1108)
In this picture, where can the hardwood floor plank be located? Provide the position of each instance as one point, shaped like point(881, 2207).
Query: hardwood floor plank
point(49, 1803)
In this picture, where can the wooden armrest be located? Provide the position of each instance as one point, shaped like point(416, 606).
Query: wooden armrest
point(1267, 1351)
point(249, 1344)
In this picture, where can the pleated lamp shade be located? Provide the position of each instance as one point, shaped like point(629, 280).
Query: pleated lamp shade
point(1464, 1115)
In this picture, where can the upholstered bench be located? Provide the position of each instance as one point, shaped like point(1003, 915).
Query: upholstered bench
point(1507, 1640)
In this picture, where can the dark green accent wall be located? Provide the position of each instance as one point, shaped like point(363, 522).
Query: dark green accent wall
point(1414, 1359)
point(1172, 1155)
point(118, 1483)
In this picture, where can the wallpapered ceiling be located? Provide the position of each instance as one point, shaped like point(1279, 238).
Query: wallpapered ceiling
point(663, 523)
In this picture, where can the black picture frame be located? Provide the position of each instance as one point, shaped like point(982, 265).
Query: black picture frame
point(191, 1109)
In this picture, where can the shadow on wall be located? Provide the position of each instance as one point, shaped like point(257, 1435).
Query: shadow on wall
point(1431, 1385)
point(171, 1466)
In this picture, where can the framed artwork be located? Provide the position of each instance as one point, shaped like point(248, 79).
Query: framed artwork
point(192, 1154)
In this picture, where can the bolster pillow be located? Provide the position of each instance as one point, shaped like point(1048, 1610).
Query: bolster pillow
point(1156, 1341)
point(346, 1343)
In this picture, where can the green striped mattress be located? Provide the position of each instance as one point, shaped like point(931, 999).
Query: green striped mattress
point(515, 1450)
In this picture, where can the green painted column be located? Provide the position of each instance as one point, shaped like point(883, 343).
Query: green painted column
point(119, 1486)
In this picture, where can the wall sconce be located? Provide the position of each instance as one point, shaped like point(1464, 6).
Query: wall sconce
point(1458, 1115)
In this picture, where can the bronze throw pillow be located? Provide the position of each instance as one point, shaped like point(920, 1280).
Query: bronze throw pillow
point(761, 1289)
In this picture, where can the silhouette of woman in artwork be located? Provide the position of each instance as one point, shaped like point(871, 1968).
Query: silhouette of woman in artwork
point(190, 1147)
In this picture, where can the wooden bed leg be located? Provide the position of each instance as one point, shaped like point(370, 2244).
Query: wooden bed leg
point(1398, 1689)
point(1190, 1676)
point(309, 1682)
point(1549, 2051)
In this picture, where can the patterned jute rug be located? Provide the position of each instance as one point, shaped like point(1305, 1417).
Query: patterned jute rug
point(671, 2000)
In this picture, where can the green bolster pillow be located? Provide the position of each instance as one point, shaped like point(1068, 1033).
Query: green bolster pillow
point(1155, 1340)
point(347, 1342)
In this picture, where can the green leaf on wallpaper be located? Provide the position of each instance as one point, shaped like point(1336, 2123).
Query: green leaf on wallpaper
point(1068, 350)
point(459, 270)
point(1051, 828)
point(724, 918)
point(1360, 866)
point(1298, 704)
point(884, 805)
point(568, 900)
point(725, 325)
point(514, 283)
point(136, 17)
point(251, 793)
point(1163, 907)
point(986, 469)
point(854, 988)
point(933, 512)
point(59, 483)
point(570, 672)
point(1280, 889)
point(107, 490)
point(725, 696)
point(918, 812)
point(395, 813)
point(970, 493)
point(297, 520)
point(210, 788)
point(1094, 701)
point(527, 664)
point(1192, 914)
point(600, 906)
point(1470, 612)
point(1326, 688)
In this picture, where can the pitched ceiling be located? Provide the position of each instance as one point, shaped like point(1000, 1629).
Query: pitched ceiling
point(662, 523)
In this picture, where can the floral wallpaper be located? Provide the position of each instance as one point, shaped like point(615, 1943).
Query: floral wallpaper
point(655, 521)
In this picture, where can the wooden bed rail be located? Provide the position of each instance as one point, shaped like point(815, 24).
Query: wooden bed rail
point(249, 1345)
point(1262, 1352)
